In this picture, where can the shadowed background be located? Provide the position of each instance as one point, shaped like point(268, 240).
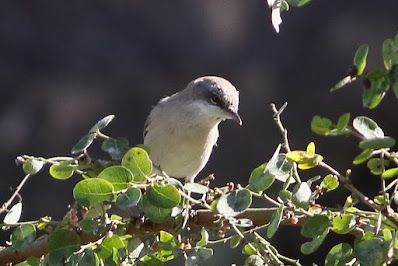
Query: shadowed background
point(66, 64)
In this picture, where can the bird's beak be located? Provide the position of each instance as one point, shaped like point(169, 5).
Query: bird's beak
point(235, 116)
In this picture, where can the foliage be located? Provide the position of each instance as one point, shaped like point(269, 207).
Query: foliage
point(92, 234)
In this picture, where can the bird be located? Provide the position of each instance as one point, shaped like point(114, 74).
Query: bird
point(182, 129)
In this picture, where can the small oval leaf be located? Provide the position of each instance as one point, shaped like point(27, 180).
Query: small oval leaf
point(377, 143)
point(138, 162)
point(129, 199)
point(343, 223)
point(118, 176)
point(234, 202)
point(32, 166)
point(102, 123)
point(23, 236)
point(360, 58)
point(14, 214)
point(91, 191)
point(166, 196)
point(83, 143)
point(62, 171)
point(275, 221)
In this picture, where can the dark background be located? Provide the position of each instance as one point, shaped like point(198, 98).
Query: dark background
point(66, 64)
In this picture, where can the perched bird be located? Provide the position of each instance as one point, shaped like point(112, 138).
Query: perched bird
point(182, 129)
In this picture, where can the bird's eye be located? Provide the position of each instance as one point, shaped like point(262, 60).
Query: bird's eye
point(215, 99)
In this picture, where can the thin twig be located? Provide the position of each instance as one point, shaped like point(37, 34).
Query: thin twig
point(5, 206)
point(283, 130)
point(348, 185)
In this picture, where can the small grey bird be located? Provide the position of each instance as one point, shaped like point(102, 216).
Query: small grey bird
point(182, 129)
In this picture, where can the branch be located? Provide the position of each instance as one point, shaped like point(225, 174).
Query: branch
point(286, 146)
point(5, 206)
point(348, 185)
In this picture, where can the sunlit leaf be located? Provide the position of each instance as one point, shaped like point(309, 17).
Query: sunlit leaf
point(343, 223)
point(339, 255)
point(118, 176)
point(102, 123)
point(32, 166)
point(138, 162)
point(275, 221)
point(83, 143)
point(234, 202)
point(13, 214)
point(91, 191)
point(367, 127)
point(360, 58)
point(363, 156)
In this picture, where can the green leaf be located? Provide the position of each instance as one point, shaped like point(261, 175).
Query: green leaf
point(255, 260)
point(89, 226)
point(315, 226)
point(367, 127)
point(163, 196)
point(204, 238)
point(86, 258)
point(298, 3)
point(369, 251)
point(285, 195)
point(91, 191)
point(196, 188)
point(344, 223)
point(309, 247)
point(360, 58)
point(343, 122)
point(339, 255)
point(62, 171)
point(259, 180)
point(363, 156)
point(393, 79)
point(390, 52)
point(32, 166)
point(330, 182)
point(23, 236)
point(13, 214)
point(345, 81)
point(128, 199)
point(102, 123)
point(392, 172)
point(105, 250)
point(234, 202)
point(151, 261)
point(199, 256)
point(234, 241)
point(377, 143)
point(155, 213)
point(134, 247)
point(279, 167)
point(138, 162)
point(116, 148)
point(61, 244)
point(275, 221)
point(321, 126)
point(118, 176)
point(376, 166)
point(248, 250)
point(302, 195)
point(83, 143)
point(379, 84)
point(165, 236)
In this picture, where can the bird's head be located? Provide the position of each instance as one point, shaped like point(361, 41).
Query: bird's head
point(215, 98)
